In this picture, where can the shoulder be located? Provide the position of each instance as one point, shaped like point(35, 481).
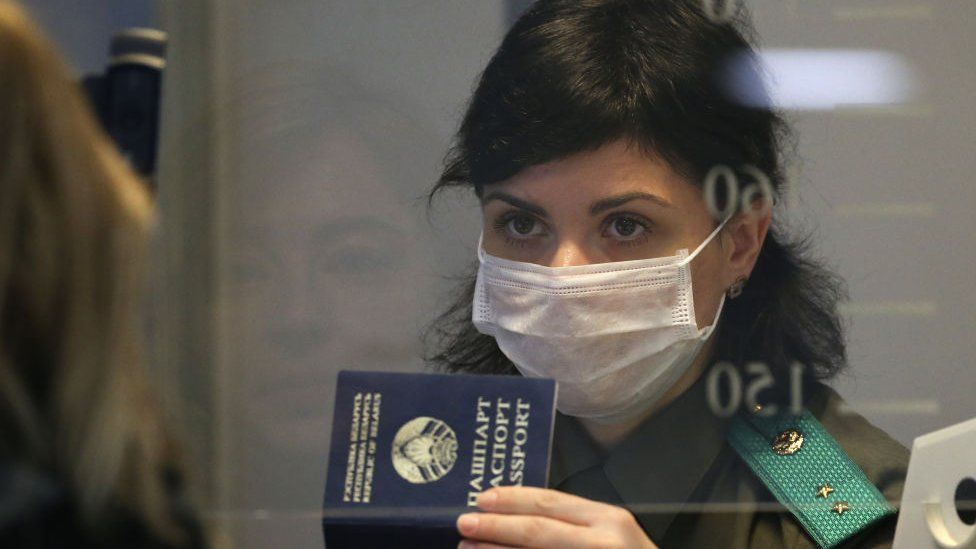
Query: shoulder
point(39, 510)
point(839, 476)
point(883, 459)
point(35, 510)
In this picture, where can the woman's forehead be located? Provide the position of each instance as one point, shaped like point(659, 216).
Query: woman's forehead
point(617, 167)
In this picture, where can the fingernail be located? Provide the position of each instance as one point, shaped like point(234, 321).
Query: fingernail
point(487, 498)
point(467, 523)
point(465, 544)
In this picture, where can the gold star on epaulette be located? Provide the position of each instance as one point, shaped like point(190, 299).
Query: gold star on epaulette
point(840, 507)
point(824, 491)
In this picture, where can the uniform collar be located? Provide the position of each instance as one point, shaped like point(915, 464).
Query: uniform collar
point(573, 450)
point(656, 468)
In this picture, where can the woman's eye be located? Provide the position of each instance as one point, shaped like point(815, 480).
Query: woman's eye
point(625, 228)
point(523, 226)
point(519, 229)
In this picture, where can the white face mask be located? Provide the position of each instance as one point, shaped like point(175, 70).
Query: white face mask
point(615, 336)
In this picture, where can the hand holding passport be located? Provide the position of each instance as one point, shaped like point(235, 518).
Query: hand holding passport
point(411, 452)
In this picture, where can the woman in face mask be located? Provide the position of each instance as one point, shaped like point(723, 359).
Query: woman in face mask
point(628, 251)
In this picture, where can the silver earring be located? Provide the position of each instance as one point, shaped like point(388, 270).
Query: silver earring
point(735, 290)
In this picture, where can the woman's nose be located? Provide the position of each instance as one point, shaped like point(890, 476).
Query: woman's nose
point(569, 253)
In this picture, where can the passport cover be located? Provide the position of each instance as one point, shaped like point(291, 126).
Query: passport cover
point(411, 452)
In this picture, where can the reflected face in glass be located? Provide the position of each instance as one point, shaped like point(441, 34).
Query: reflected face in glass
point(612, 204)
point(323, 275)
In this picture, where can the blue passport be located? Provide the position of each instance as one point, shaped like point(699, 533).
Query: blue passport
point(411, 452)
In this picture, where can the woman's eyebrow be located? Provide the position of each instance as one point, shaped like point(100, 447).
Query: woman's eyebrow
point(515, 201)
point(614, 201)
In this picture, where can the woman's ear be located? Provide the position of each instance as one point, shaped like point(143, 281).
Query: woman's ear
point(743, 239)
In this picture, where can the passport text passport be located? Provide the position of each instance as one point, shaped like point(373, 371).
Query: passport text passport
point(411, 452)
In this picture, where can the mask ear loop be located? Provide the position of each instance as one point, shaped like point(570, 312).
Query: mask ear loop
point(707, 331)
point(481, 248)
point(706, 241)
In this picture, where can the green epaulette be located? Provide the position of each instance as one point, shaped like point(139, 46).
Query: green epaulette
point(808, 472)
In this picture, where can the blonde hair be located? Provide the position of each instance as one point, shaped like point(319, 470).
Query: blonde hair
point(74, 219)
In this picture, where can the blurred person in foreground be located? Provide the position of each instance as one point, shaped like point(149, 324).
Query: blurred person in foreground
point(85, 459)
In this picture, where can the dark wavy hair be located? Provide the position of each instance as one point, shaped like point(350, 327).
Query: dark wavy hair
point(574, 75)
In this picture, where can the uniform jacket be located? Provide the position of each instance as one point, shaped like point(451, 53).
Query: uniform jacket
point(688, 487)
